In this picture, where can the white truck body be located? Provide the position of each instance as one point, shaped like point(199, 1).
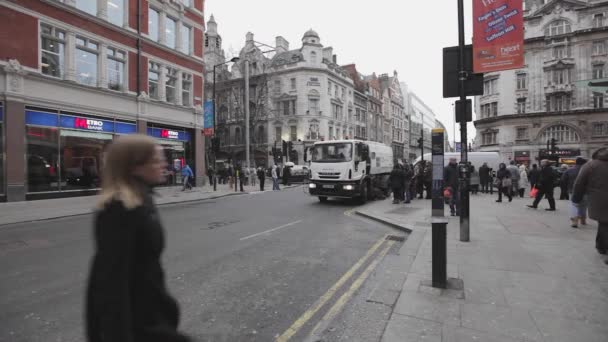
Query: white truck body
point(349, 168)
point(476, 158)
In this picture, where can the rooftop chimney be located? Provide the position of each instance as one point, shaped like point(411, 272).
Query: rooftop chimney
point(282, 45)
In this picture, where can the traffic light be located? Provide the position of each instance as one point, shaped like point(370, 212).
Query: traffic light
point(552, 145)
point(420, 142)
point(285, 148)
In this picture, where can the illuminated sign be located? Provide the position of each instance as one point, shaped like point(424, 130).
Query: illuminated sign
point(168, 134)
point(82, 123)
point(76, 122)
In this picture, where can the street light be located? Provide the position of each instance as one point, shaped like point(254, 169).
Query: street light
point(233, 60)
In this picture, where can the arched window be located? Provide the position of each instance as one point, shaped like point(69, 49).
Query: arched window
point(557, 27)
point(562, 133)
point(313, 57)
point(237, 136)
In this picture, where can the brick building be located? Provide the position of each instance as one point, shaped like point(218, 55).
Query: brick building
point(75, 74)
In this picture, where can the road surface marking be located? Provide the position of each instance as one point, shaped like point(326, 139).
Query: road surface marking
point(341, 302)
point(299, 323)
point(271, 230)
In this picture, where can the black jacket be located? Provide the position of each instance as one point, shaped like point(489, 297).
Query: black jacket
point(450, 176)
point(547, 178)
point(261, 174)
point(533, 176)
point(484, 173)
point(397, 178)
point(503, 173)
point(127, 299)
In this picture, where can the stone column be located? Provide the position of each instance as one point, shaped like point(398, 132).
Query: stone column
point(162, 94)
point(102, 80)
point(102, 9)
point(70, 56)
point(199, 148)
point(162, 35)
point(178, 88)
point(178, 35)
point(14, 120)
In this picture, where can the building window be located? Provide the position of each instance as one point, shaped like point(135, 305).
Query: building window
point(278, 133)
point(561, 133)
point(490, 87)
point(331, 133)
point(558, 103)
point(313, 57)
point(153, 77)
point(153, 27)
point(598, 100)
point(598, 20)
point(521, 81)
point(53, 50)
point(170, 32)
point(277, 87)
point(598, 72)
point(237, 136)
point(313, 105)
point(599, 48)
point(187, 3)
point(494, 108)
point(116, 68)
point(560, 52)
point(116, 12)
point(522, 133)
point(600, 129)
point(489, 138)
point(186, 32)
point(293, 133)
point(335, 90)
point(288, 107)
point(293, 84)
point(558, 27)
point(86, 61)
point(521, 106)
point(559, 76)
point(42, 157)
point(89, 6)
point(186, 89)
point(170, 84)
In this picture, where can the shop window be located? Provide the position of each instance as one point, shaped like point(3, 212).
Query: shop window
point(170, 84)
point(186, 89)
point(186, 32)
point(42, 159)
point(52, 57)
point(153, 78)
point(87, 52)
point(116, 11)
point(153, 27)
point(82, 158)
point(89, 6)
point(116, 69)
point(170, 32)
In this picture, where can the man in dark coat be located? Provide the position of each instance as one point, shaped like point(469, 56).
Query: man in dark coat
point(545, 185)
point(484, 177)
point(450, 180)
point(533, 176)
point(408, 173)
point(397, 181)
point(262, 177)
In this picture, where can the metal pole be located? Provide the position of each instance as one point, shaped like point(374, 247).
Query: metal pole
point(214, 134)
point(247, 116)
point(464, 181)
point(422, 144)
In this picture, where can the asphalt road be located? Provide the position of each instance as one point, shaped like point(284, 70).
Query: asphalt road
point(243, 268)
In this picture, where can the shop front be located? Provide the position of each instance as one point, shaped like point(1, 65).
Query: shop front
point(178, 147)
point(2, 154)
point(522, 157)
point(65, 151)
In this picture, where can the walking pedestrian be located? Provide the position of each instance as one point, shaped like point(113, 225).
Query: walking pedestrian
point(126, 295)
point(474, 180)
point(428, 179)
point(592, 181)
point(503, 182)
point(419, 175)
point(563, 194)
point(275, 178)
point(397, 180)
point(186, 175)
point(546, 182)
point(514, 171)
point(240, 175)
point(262, 177)
point(578, 211)
point(408, 173)
point(252, 171)
point(533, 176)
point(450, 180)
point(286, 175)
point(523, 180)
point(210, 174)
point(484, 178)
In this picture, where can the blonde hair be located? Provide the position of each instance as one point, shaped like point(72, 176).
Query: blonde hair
point(118, 182)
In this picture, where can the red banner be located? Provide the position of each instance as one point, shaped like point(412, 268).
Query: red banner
point(498, 35)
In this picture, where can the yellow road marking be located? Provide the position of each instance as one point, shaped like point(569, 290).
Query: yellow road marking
point(339, 305)
point(299, 323)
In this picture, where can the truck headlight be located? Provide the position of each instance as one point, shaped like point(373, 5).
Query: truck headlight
point(349, 187)
point(312, 186)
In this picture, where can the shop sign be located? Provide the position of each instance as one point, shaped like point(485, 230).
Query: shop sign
point(168, 134)
point(522, 156)
point(498, 35)
point(560, 153)
point(86, 124)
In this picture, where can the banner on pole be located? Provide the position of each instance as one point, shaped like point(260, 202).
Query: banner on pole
point(208, 118)
point(498, 35)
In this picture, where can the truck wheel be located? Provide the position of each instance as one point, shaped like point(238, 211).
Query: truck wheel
point(322, 199)
point(364, 194)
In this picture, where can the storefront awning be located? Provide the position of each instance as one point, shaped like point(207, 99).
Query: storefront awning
point(89, 135)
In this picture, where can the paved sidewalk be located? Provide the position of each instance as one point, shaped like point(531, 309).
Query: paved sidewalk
point(16, 212)
point(527, 276)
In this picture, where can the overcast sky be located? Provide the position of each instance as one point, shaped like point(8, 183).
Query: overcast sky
point(379, 36)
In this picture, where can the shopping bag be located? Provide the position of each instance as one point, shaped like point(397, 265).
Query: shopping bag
point(533, 192)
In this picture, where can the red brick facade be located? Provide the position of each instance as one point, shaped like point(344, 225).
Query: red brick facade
point(16, 30)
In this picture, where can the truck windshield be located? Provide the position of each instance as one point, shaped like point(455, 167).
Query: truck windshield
point(331, 153)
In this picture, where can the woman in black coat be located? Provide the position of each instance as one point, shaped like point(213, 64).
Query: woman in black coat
point(127, 298)
point(503, 180)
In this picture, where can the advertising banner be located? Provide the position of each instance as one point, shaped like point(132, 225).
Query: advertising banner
point(208, 118)
point(498, 35)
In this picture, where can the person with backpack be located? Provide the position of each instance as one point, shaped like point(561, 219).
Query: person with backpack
point(546, 183)
point(451, 183)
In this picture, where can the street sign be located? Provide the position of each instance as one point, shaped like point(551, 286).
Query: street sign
point(451, 82)
point(498, 35)
point(208, 118)
point(469, 112)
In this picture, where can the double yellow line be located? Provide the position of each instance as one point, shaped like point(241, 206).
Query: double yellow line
point(339, 304)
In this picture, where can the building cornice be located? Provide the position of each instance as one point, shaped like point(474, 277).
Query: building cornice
point(500, 118)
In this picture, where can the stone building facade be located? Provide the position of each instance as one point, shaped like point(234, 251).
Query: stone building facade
point(552, 96)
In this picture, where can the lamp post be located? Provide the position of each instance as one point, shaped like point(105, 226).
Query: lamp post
point(233, 60)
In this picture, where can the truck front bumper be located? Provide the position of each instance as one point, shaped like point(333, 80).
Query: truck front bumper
point(333, 189)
